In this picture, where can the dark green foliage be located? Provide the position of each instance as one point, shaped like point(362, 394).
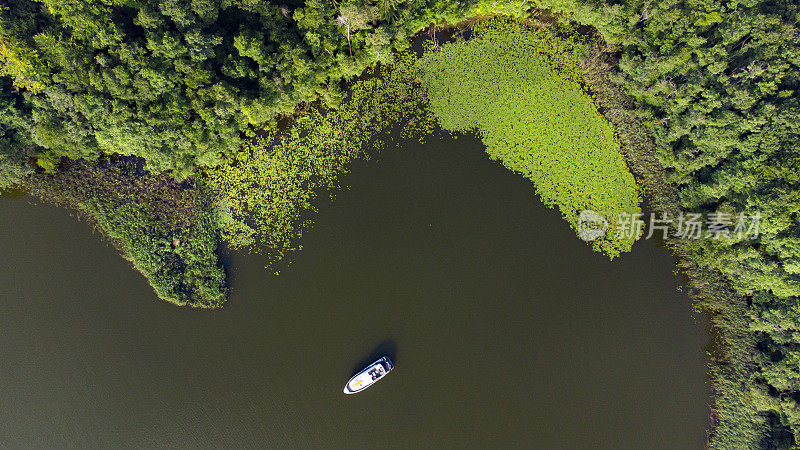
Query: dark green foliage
point(720, 88)
point(180, 82)
point(716, 86)
point(737, 424)
point(15, 143)
point(163, 227)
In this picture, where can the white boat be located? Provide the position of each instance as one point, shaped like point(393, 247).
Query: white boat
point(369, 376)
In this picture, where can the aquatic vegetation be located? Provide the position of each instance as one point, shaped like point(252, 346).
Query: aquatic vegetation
point(261, 193)
point(520, 90)
point(712, 91)
point(554, 136)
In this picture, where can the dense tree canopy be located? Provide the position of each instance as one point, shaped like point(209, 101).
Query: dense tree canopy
point(717, 86)
point(15, 147)
point(720, 89)
point(183, 83)
point(180, 82)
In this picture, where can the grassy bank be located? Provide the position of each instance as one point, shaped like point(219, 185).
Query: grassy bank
point(164, 228)
point(737, 419)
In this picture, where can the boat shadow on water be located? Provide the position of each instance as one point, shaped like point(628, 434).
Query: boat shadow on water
point(385, 348)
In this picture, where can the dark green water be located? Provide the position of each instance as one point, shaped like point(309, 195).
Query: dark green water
point(505, 329)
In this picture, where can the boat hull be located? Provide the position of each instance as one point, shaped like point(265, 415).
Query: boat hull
point(369, 376)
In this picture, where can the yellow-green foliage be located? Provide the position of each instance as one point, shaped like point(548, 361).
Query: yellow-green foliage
point(514, 8)
point(22, 64)
point(520, 89)
point(261, 192)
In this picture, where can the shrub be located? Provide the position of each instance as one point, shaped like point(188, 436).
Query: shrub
point(163, 227)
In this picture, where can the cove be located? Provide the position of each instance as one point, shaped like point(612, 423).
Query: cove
point(505, 329)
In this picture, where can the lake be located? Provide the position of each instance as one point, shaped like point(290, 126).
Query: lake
point(504, 328)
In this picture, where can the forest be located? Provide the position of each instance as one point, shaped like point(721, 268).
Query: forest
point(157, 119)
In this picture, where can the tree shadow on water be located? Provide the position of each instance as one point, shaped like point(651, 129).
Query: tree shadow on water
point(385, 348)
